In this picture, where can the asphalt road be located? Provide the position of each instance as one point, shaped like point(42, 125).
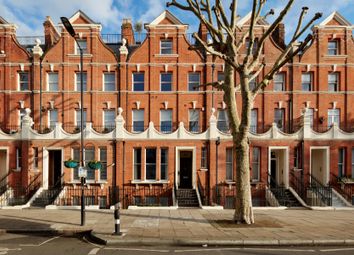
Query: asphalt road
point(37, 245)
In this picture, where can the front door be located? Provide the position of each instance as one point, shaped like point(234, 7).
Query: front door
point(185, 171)
point(54, 167)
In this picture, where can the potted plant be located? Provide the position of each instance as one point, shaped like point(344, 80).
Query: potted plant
point(94, 164)
point(70, 163)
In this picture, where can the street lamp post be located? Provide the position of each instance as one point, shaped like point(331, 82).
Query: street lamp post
point(72, 32)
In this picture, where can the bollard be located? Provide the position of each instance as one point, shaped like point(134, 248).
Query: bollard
point(117, 219)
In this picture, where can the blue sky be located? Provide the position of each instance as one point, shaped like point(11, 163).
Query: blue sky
point(29, 15)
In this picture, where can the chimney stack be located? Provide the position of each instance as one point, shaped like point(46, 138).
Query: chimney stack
point(127, 31)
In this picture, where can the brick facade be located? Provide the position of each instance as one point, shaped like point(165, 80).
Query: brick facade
point(164, 67)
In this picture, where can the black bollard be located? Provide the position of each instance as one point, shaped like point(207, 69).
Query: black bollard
point(117, 219)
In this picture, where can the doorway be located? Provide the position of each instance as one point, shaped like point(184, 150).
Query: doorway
point(319, 164)
point(278, 166)
point(54, 167)
point(3, 164)
point(185, 170)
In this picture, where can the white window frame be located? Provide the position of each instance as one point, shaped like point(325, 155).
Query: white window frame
point(169, 49)
point(104, 81)
point(104, 163)
point(141, 163)
point(135, 115)
point(78, 111)
point(226, 120)
point(341, 164)
point(193, 82)
point(170, 120)
point(78, 82)
point(332, 115)
point(48, 81)
point(133, 81)
point(309, 83)
point(146, 164)
point(254, 125)
point(258, 163)
point(330, 49)
point(164, 82)
point(18, 158)
point(111, 125)
point(334, 83)
point(50, 117)
point(281, 81)
point(194, 113)
point(229, 164)
point(77, 50)
point(19, 80)
point(164, 164)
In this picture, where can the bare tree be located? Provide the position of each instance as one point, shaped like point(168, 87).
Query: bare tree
point(227, 41)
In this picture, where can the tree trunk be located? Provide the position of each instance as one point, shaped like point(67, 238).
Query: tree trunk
point(239, 129)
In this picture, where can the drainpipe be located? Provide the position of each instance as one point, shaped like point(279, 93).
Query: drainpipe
point(114, 173)
point(123, 174)
point(40, 94)
point(217, 142)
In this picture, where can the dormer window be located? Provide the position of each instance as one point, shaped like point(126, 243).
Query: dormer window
point(83, 45)
point(166, 47)
point(333, 47)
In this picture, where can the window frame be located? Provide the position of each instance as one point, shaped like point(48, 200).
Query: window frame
point(204, 158)
point(102, 152)
point(191, 83)
point(18, 158)
point(254, 126)
point(35, 158)
point(276, 120)
point(50, 120)
point(166, 49)
point(137, 163)
point(164, 126)
point(77, 113)
point(108, 82)
point(136, 83)
point(335, 83)
point(84, 49)
point(333, 51)
point(282, 82)
point(307, 83)
point(256, 163)
point(78, 81)
point(193, 125)
point(341, 161)
point(51, 83)
point(23, 81)
point(332, 115)
point(164, 163)
point(163, 83)
point(138, 122)
point(223, 125)
point(110, 125)
point(229, 164)
point(148, 164)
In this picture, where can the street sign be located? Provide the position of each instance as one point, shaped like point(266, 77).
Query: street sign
point(82, 172)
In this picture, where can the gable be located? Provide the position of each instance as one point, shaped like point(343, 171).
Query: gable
point(335, 19)
point(246, 20)
point(166, 18)
point(3, 21)
point(81, 18)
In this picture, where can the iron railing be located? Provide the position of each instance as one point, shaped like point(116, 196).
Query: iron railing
point(297, 183)
point(19, 194)
point(279, 191)
point(321, 192)
point(4, 184)
point(201, 191)
point(343, 188)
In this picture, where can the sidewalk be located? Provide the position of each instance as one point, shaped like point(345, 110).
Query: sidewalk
point(191, 226)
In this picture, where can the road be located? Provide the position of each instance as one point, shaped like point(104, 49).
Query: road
point(14, 244)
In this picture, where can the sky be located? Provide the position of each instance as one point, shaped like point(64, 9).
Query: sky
point(29, 15)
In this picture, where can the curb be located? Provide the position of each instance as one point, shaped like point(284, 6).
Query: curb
point(62, 232)
point(105, 240)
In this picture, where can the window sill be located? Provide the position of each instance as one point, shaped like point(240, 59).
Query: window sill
point(335, 56)
point(167, 55)
point(230, 182)
point(78, 55)
point(16, 169)
point(150, 182)
point(203, 169)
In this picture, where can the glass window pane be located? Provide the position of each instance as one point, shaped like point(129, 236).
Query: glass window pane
point(279, 82)
point(23, 79)
point(138, 81)
point(254, 120)
point(229, 168)
point(166, 46)
point(53, 82)
point(166, 120)
point(166, 82)
point(193, 81)
point(164, 164)
point(138, 120)
point(109, 119)
point(53, 118)
point(194, 120)
point(78, 82)
point(137, 164)
point(151, 164)
point(223, 121)
point(109, 82)
point(103, 159)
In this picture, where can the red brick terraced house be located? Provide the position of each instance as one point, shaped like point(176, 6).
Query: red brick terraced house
point(161, 135)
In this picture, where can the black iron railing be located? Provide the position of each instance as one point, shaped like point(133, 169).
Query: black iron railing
point(4, 184)
point(321, 192)
point(20, 195)
point(343, 188)
point(297, 183)
point(201, 191)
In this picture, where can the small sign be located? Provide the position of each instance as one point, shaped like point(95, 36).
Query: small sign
point(82, 172)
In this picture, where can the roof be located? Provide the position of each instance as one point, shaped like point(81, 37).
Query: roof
point(336, 16)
